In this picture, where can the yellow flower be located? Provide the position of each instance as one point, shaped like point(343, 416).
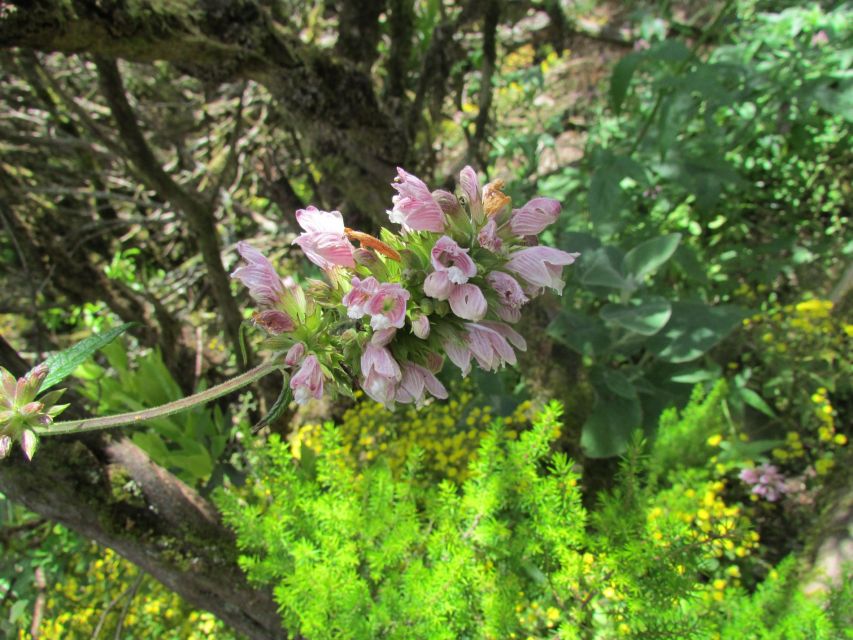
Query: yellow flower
point(715, 440)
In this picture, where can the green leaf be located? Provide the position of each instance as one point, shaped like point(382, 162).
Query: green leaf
point(621, 80)
point(693, 329)
point(584, 334)
point(755, 401)
point(737, 450)
point(650, 255)
point(646, 318)
point(607, 432)
point(598, 270)
point(618, 383)
point(62, 364)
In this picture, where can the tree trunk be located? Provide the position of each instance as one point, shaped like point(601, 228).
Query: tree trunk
point(170, 532)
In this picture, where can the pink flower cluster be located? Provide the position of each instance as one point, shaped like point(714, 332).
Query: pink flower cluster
point(447, 285)
point(766, 481)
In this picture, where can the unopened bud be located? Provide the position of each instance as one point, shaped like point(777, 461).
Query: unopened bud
point(434, 362)
point(294, 355)
point(31, 407)
point(5, 446)
point(274, 321)
point(29, 442)
point(365, 258)
point(420, 326)
point(448, 202)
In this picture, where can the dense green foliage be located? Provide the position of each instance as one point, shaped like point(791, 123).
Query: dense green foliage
point(512, 552)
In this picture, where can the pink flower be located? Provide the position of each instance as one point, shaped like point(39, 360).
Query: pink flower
point(819, 39)
point(274, 321)
point(294, 354)
point(308, 381)
point(471, 188)
point(448, 256)
point(488, 236)
point(387, 307)
point(534, 216)
point(458, 352)
point(541, 266)
point(420, 326)
point(447, 201)
point(749, 475)
point(489, 345)
point(414, 207)
point(324, 241)
point(468, 302)
point(416, 379)
point(510, 295)
point(259, 276)
point(359, 296)
point(438, 285)
point(383, 337)
point(380, 374)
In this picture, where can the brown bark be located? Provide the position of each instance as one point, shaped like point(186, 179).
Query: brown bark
point(171, 533)
point(331, 101)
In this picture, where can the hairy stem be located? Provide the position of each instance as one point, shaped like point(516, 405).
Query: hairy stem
point(138, 417)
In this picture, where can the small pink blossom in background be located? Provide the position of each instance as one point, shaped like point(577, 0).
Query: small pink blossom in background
point(420, 326)
point(534, 217)
point(324, 241)
point(359, 296)
point(766, 480)
point(307, 383)
point(448, 256)
point(258, 276)
point(414, 207)
point(641, 45)
point(541, 266)
point(294, 355)
point(415, 381)
point(387, 307)
point(274, 321)
point(510, 295)
point(488, 237)
point(819, 39)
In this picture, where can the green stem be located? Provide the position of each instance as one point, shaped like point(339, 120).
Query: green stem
point(138, 417)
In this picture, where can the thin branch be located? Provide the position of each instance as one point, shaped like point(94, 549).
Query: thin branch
point(138, 417)
point(134, 588)
point(198, 214)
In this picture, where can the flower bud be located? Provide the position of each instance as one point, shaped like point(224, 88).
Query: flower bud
point(420, 326)
point(294, 355)
point(29, 442)
point(5, 446)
